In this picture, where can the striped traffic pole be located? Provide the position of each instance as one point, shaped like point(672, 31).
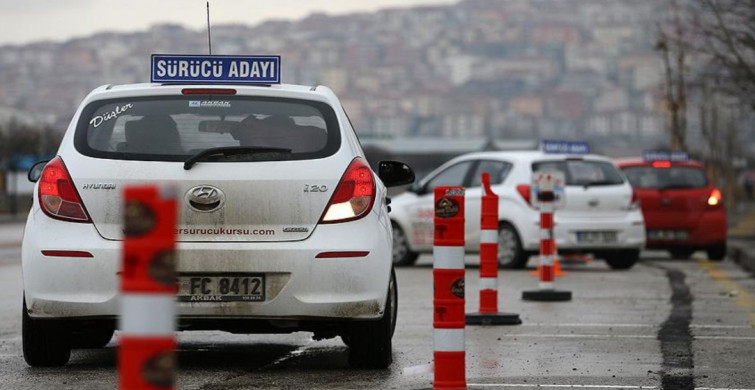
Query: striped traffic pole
point(146, 352)
point(448, 283)
point(488, 313)
point(547, 292)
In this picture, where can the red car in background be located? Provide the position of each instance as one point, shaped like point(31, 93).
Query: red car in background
point(683, 211)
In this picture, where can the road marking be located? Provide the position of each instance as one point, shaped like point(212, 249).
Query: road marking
point(418, 370)
point(647, 326)
point(743, 298)
point(565, 386)
point(724, 338)
point(562, 386)
point(580, 336)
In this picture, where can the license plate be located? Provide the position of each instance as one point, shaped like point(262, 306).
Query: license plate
point(242, 288)
point(596, 237)
point(668, 235)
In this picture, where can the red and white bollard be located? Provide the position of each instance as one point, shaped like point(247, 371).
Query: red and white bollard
point(488, 313)
point(448, 282)
point(146, 354)
point(547, 291)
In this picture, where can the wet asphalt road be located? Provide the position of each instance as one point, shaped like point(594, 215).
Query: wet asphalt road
point(663, 324)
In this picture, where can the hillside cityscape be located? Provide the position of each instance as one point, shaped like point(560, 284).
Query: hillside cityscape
point(474, 71)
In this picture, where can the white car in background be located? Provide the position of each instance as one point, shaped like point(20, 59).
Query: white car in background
point(274, 192)
point(601, 213)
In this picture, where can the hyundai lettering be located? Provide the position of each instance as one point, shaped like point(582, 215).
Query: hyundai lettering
point(282, 224)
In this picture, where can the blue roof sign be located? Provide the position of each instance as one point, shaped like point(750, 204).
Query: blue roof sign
point(665, 155)
point(215, 69)
point(565, 147)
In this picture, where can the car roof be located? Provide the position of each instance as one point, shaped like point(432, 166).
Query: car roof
point(525, 156)
point(156, 89)
point(639, 162)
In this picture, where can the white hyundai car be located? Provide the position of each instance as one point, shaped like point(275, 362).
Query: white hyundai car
point(274, 191)
point(600, 213)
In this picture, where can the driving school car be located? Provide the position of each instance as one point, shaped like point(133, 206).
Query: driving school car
point(683, 210)
point(282, 227)
point(598, 212)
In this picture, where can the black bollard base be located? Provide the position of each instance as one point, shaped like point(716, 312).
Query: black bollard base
point(493, 319)
point(547, 295)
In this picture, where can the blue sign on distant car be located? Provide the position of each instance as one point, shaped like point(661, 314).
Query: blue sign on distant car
point(665, 155)
point(565, 147)
point(215, 69)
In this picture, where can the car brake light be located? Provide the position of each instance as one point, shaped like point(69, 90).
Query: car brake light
point(208, 91)
point(58, 197)
point(662, 164)
point(354, 195)
point(524, 191)
point(634, 204)
point(715, 198)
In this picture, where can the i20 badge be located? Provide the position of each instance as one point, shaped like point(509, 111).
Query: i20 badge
point(205, 199)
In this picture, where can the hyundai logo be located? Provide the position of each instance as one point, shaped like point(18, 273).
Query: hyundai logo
point(205, 199)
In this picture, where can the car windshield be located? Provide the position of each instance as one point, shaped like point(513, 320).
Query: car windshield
point(674, 177)
point(177, 127)
point(583, 172)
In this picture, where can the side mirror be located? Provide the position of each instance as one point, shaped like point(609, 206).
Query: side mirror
point(35, 172)
point(395, 173)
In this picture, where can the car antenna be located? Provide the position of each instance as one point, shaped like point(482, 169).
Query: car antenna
point(209, 38)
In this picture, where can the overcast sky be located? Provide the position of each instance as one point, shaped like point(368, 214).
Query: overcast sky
point(24, 21)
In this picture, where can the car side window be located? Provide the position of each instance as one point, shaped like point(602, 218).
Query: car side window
point(498, 171)
point(454, 175)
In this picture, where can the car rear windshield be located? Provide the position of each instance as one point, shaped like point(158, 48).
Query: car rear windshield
point(583, 172)
point(666, 178)
point(175, 127)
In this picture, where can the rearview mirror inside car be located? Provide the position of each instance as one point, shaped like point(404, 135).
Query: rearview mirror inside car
point(35, 172)
point(395, 173)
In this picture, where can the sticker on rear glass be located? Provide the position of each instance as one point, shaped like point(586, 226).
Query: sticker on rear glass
point(209, 103)
point(104, 117)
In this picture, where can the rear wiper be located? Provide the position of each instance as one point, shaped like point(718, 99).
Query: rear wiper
point(230, 151)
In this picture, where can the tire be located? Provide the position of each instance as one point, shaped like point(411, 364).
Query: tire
point(681, 253)
point(402, 254)
point(510, 252)
point(717, 252)
point(92, 338)
point(370, 342)
point(624, 259)
point(46, 343)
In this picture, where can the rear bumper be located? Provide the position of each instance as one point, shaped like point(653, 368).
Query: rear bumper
point(710, 229)
point(298, 286)
point(629, 228)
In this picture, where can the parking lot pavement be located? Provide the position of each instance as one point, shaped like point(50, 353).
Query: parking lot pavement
point(661, 324)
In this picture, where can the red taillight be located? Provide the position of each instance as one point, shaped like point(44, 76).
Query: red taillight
point(58, 197)
point(662, 164)
point(715, 198)
point(334, 255)
point(524, 191)
point(634, 204)
point(354, 195)
point(208, 91)
point(67, 254)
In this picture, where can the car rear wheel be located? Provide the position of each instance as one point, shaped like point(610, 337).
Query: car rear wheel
point(370, 342)
point(402, 254)
point(510, 252)
point(681, 253)
point(46, 343)
point(717, 252)
point(624, 259)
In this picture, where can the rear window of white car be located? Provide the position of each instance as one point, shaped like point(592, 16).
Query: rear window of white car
point(173, 128)
point(666, 178)
point(583, 172)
